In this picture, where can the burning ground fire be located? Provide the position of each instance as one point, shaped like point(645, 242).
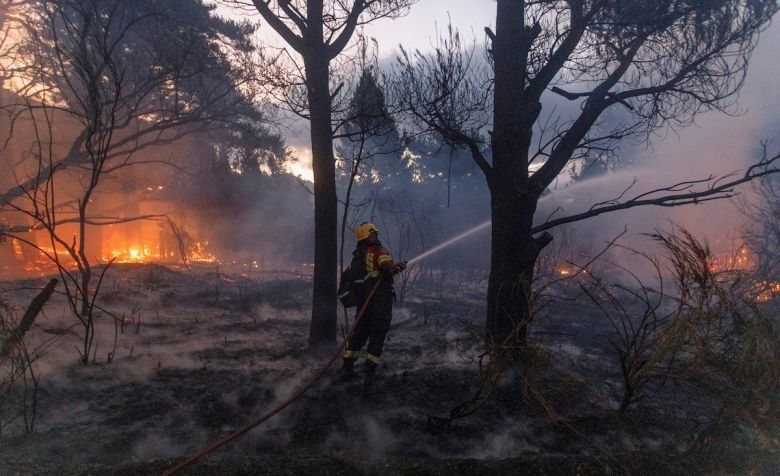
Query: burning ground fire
point(741, 261)
point(721, 265)
point(143, 245)
point(767, 290)
point(198, 252)
point(30, 262)
point(744, 261)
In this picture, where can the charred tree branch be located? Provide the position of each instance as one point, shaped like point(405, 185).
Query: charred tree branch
point(15, 339)
point(718, 189)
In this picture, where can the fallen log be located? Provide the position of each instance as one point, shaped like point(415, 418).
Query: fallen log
point(15, 337)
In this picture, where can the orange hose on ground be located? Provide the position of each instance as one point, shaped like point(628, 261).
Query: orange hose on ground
point(227, 439)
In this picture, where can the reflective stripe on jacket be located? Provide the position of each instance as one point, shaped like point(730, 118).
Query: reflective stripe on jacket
point(377, 258)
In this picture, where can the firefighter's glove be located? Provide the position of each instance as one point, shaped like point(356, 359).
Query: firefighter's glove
point(400, 266)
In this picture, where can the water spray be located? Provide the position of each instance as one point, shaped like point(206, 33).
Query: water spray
point(486, 224)
point(449, 242)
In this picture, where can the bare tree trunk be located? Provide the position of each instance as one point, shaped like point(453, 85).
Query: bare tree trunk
point(511, 268)
point(512, 204)
point(322, 331)
point(320, 36)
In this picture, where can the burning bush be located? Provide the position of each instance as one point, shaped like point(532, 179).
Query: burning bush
point(709, 330)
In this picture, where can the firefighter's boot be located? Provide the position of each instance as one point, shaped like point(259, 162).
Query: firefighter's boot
point(369, 372)
point(348, 370)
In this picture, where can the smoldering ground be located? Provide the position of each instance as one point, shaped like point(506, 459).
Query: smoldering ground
point(215, 349)
point(196, 370)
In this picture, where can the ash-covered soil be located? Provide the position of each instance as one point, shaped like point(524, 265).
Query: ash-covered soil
point(201, 353)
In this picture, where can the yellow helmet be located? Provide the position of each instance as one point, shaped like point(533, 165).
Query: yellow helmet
point(363, 230)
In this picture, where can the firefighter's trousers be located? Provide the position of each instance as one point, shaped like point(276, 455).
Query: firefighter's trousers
point(373, 326)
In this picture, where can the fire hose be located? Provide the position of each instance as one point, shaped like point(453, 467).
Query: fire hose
point(279, 408)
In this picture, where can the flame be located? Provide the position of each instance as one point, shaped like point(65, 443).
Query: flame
point(132, 254)
point(564, 271)
point(17, 247)
point(743, 260)
point(767, 290)
point(199, 253)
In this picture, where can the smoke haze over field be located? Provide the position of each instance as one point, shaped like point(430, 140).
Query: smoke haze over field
point(273, 216)
point(716, 144)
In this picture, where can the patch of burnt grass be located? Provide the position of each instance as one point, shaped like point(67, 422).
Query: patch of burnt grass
point(219, 353)
point(134, 402)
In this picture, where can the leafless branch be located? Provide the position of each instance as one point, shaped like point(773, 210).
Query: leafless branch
point(717, 189)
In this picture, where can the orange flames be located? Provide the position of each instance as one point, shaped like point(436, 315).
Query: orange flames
point(139, 254)
point(17, 247)
point(741, 261)
point(565, 271)
point(41, 263)
point(198, 252)
point(767, 290)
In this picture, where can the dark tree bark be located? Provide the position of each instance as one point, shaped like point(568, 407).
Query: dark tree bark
point(512, 260)
point(322, 330)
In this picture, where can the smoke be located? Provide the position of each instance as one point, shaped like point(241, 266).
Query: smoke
point(510, 441)
point(267, 312)
point(363, 438)
point(401, 314)
point(716, 145)
point(152, 446)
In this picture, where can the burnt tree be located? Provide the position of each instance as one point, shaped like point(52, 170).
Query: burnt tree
point(661, 62)
point(318, 32)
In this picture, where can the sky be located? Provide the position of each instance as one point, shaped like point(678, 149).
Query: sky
point(716, 142)
point(418, 30)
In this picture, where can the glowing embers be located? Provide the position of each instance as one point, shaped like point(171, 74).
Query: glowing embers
point(740, 261)
point(767, 290)
point(39, 267)
point(17, 247)
point(132, 254)
point(565, 271)
point(45, 260)
point(199, 253)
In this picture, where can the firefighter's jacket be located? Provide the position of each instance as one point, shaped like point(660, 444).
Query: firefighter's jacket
point(379, 265)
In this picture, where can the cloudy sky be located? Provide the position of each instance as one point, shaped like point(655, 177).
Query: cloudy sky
point(716, 142)
point(418, 30)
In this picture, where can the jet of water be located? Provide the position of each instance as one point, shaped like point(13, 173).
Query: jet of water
point(573, 188)
point(447, 243)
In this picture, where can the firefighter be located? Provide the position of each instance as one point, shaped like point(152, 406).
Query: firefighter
point(375, 323)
